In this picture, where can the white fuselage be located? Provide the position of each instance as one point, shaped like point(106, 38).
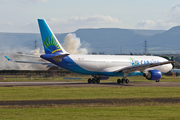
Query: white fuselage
point(110, 63)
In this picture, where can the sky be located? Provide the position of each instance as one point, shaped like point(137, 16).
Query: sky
point(65, 16)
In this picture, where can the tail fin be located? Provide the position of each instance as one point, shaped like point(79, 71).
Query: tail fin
point(50, 42)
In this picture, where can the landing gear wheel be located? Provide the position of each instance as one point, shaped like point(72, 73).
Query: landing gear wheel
point(93, 80)
point(127, 81)
point(89, 80)
point(118, 81)
point(157, 80)
point(123, 80)
point(97, 81)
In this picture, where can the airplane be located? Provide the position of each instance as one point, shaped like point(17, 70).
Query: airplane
point(151, 67)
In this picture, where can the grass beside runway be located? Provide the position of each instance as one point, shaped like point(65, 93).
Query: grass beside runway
point(51, 93)
point(166, 112)
point(90, 111)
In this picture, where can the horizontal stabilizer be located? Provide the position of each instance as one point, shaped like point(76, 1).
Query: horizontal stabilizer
point(59, 56)
point(43, 63)
point(55, 57)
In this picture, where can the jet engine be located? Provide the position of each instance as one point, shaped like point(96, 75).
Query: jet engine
point(153, 75)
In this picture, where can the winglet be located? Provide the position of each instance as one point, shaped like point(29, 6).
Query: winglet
point(9, 59)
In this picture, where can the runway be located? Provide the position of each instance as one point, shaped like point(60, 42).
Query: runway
point(84, 84)
point(3, 84)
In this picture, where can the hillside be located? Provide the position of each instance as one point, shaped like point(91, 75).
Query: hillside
point(166, 42)
point(107, 40)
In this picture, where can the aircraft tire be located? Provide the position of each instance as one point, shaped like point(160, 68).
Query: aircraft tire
point(157, 80)
point(118, 81)
point(89, 80)
point(93, 80)
point(97, 81)
point(123, 80)
point(127, 81)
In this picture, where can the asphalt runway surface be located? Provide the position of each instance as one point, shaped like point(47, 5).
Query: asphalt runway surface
point(84, 84)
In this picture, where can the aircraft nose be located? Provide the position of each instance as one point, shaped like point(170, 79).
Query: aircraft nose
point(170, 66)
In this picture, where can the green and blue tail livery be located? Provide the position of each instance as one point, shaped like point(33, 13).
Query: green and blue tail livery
point(50, 42)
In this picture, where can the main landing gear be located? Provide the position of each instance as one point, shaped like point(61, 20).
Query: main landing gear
point(94, 80)
point(123, 80)
point(119, 81)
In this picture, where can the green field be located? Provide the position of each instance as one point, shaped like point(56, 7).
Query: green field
point(138, 111)
point(49, 93)
point(167, 112)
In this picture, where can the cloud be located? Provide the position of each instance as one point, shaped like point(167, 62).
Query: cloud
point(7, 65)
point(73, 45)
point(156, 25)
point(146, 23)
point(172, 18)
point(33, 1)
point(97, 19)
point(66, 25)
point(175, 6)
point(90, 21)
point(31, 26)
point(4, 1)
point(174, 14)
point(9, 23)
point(12, 53)
point(23, 1)
point(93, 19)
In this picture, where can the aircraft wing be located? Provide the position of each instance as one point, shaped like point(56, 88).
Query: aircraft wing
point(43, 63)
point(141, 67)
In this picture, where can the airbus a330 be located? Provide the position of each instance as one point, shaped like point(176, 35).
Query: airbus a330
point(151, 67)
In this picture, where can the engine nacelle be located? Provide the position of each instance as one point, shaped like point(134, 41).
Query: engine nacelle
point(153, 75)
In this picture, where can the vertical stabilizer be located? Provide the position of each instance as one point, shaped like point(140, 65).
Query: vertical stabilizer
point(50, 42)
